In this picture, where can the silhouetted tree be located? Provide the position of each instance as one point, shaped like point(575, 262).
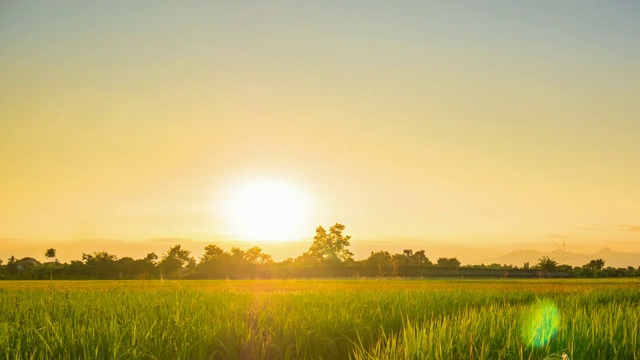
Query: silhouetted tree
point(418, 258)
point(77, 269)
point(211, 253)
point(217, 263)
point(597, 264)
point(214, 263)
point(306, 260)
point(591, 269)
point(612, 272)
point(330, 247)
point(255, 263)
point(101, 264)
point(451, 263)
point(151, 258)
point(238, 262)
point(377, 259)
point(126, 268)
point(145, 268)
point(175, 260)
point(546, 263)
point(50, 254)
point(12, 267)
point(255, 256)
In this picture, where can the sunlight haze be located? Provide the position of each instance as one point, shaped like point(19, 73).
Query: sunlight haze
point(267, 210)
point(454, 127)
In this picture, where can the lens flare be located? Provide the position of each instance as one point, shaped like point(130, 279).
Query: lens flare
point(540, 323)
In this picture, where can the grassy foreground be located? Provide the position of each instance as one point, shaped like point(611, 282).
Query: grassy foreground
point(321, 319)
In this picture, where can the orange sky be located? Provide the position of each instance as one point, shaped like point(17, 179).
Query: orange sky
point(459, 125)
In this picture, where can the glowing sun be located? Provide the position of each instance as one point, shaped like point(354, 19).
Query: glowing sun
point(268, 211)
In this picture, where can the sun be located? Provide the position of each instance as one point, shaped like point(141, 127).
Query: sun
point(268, 210)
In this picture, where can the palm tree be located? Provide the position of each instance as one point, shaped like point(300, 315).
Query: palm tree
point(50, 254)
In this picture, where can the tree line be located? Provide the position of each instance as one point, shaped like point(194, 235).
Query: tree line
point(328, 255)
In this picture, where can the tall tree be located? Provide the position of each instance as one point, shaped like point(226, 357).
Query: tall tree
point(101, 264)
point(211, 253)
point(12, 267)
point(176, 259)
point(151, 258)
point(331, 247)
point(255, 256)
point(50, 254)
point(145, 268)
point(420, 259)
point(597, 264)
point(215, 263)
point(380, 258)
point(546, 263)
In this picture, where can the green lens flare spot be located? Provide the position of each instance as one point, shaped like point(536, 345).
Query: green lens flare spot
point(540, 323)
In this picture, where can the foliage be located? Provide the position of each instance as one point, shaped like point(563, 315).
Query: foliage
point(175, 260)
point(217, 263)
point(11, 267)
point(597, 264)
point(330, 247)
point(410, 258)
point(547, 264)
point(100, 264)
point(151, 258)
point(50, 254)
point(450, 263)
point(380, 258)
point(328, 256)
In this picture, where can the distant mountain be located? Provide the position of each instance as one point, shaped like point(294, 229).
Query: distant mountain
point(610, 257)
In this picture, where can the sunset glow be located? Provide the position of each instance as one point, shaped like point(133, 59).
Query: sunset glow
point(268, 211)
point(320, 179)
point(477, 129)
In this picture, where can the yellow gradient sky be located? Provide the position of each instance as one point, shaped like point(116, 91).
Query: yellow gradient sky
point(463, 124)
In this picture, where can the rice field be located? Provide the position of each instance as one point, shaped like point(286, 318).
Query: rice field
point(321, 319)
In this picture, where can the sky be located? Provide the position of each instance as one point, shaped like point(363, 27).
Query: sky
point(458, 127)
